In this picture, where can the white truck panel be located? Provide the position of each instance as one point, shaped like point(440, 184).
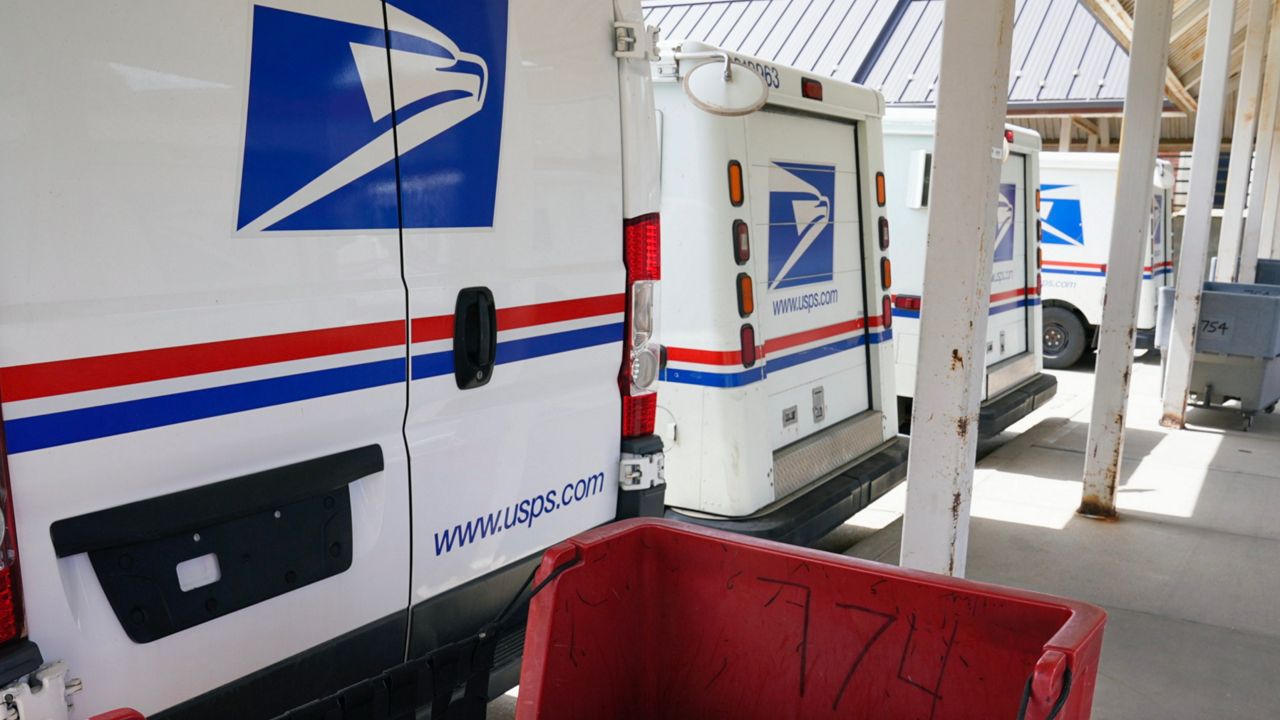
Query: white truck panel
point(118, 224)
point(233, 237)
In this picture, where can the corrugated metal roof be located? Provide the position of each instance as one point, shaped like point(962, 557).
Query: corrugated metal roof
point(1062, 57)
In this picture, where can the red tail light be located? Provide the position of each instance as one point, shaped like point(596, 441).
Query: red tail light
point(643, 242)
point(907, 302)
point(1008, 135)
point(811, 88)
point(886, 312)
point(641, 356)
point(747, 336)
point(638, 414)
point(12, 625)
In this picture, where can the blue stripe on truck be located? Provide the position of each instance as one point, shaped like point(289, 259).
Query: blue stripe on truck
point(772, 364)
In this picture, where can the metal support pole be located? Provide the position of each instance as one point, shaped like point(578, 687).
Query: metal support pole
point(1104, 127)
point(1092, 145)
point(1242, 133)
point(1130, 235)
point(1064, 135)
point(1195, 231)
point(973, 93)
point(1264, 191)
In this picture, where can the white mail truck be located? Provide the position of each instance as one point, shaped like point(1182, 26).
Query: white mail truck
point(777, 405)
point(1077, 201)
point(1014, 383)
point(319, 321)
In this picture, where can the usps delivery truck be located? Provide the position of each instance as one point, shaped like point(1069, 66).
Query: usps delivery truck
point(777, 405)
point(1014, 383)
point(319, 320)
point(1077, 201)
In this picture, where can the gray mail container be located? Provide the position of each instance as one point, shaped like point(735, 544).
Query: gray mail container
point(1268, 272)
point(1237, 319)
point(1237, 345)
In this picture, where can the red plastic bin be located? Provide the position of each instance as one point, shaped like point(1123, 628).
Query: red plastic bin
point(656, 619)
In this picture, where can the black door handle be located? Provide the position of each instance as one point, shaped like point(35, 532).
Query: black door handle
point(475, 337)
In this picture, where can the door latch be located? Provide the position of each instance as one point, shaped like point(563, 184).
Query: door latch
point(475, 337)
point(635, 41)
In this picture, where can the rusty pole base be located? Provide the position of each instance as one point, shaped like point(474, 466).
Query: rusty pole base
point(1093, 509)
point(1177, 421)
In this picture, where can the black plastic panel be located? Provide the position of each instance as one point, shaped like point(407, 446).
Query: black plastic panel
point(271, 532)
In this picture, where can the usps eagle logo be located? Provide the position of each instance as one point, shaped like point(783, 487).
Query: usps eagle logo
point(801, 233)
point(332, 99)
point(1060, 215)
point(1006, 221)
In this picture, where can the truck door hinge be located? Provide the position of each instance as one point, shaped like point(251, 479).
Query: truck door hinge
point(641, 471)
point(635, 41)
point(43, 695)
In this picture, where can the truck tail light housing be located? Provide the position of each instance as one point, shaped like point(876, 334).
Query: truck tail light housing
point(811, 89)
point(886, 274)
point(886, 312)
point(741, 242)
point(881, 197)
point(12, 619)
point(907, 302)
point(746, 296)
point(737, 192)
point(884, 233)
point(641, 356)
point(747, 339)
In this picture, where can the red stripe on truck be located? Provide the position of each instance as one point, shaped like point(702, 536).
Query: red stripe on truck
point(439, 327)
point(1017, 292)
point(59, 377)
point(734, 357)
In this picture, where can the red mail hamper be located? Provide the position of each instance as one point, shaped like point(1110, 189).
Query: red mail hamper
point(656, 619)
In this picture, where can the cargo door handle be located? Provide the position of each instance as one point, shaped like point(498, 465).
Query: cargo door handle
point(475, 337)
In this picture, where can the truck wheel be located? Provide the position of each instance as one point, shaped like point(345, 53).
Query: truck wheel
point(1065, 339)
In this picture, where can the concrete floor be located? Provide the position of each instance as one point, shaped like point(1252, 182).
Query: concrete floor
point(1190, 574)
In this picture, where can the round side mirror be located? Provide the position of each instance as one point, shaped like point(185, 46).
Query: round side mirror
point(725, 88)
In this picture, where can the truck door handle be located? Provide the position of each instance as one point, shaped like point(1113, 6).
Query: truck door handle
point(475, 337)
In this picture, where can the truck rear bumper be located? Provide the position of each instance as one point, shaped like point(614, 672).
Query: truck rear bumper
point(1016, 403)
point(820, 508)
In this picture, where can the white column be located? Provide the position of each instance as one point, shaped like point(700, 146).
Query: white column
point(1242, 133)
point(1104, 127)
point(1130, 235)
point(1064, 135)
point(1195, 231)
point(973, 92)
point(1092, 143)
point(1264, 191)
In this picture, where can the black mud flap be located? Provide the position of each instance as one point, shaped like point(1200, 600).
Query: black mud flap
point(268, 533)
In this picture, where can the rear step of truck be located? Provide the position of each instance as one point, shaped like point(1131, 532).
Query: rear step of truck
point(808, 514)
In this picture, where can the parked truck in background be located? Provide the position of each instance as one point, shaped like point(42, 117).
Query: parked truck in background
point(1014, 383)
point(1077, 201)
point(777, 404)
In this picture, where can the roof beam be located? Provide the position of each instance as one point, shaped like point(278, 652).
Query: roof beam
point(1119, 23)
point(1186, 18)
point(1086, 125)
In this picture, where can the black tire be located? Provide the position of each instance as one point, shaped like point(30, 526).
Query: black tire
point(1065, 338)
